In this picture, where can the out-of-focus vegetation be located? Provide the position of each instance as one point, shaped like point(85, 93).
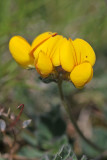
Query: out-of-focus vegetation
point(49, 131)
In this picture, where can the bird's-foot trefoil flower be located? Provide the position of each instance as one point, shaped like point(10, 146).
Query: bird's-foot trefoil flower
point(55, 56)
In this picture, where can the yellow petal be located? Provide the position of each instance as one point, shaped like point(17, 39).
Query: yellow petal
point(66, 55)
point(44, 65)
point(84, 52)
point(77, 51)
point(46, 47)
point(41, 39)
point(74, 53)
point(55, 52)
point(81, 74)
point(20, 49)
point(52, 44)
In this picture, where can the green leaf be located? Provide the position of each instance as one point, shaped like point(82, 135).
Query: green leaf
point(54, 121)
point(29, 138)
point(84, 157)
point(58, 143)
point(30, 152)
point(45, 157)
point(65, 153)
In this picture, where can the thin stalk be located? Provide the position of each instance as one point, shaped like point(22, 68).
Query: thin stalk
point(69, 112)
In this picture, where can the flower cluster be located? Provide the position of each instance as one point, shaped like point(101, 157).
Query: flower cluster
point(53, 54)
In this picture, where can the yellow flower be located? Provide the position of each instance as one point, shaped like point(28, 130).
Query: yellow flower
point(52, 54)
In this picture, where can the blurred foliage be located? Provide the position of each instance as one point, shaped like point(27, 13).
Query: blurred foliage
point(49, 131)
point(43, 138)
point(41, 141)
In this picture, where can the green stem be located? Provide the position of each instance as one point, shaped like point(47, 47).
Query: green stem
point(69, 112)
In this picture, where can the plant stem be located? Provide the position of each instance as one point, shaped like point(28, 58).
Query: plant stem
point(69, 112)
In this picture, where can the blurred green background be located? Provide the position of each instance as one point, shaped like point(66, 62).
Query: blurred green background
point(75, 19)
